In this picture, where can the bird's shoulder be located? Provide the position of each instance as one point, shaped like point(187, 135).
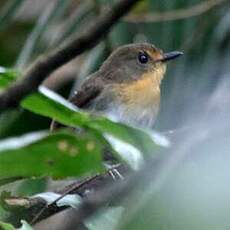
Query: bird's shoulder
point(88, 91)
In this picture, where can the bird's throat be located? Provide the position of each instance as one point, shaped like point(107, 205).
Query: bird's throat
point(144, 92)
point(138, 101)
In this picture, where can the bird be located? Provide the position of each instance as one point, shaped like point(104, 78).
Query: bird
point(127, 86)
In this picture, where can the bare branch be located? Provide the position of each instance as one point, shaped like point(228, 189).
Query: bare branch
point(104, 196)
point(45, 65)
point(73, 187)
point(35, 209)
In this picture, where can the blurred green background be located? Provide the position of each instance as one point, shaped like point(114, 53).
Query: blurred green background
point(199, 28)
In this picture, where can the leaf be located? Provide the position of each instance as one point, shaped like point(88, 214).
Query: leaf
point(7, 76)
point(4, 195)
point(59, 155)
point(13, 123)
point(7, 118)
point(141, 8)
point(134, 136)
point(6, 226)
point(32, 186)
point(126, 152)
point(5, 181)
point(53, 106)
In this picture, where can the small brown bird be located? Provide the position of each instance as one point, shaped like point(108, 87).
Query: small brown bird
point(127, 86)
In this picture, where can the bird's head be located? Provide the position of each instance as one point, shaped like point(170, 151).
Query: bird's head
point(132, 62)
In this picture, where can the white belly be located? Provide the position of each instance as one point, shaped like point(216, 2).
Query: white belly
point(139, 117)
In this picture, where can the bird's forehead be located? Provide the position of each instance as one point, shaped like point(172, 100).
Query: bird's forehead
point(152, 51)
point(155, 54)
point(133, 49)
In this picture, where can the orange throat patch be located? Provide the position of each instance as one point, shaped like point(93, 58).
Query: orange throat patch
point(143, 93)
point(138, 102)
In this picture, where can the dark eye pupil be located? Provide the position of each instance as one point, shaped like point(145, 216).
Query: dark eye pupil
point(143, 58)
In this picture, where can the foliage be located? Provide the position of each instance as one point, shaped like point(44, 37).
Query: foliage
point(41, 104)
point(7, 77)
point(28, 150)
point(58, 155)
point(25, 226)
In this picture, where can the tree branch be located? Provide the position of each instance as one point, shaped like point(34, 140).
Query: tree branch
point(34, 209)
point(45, 65)
point(111, 194)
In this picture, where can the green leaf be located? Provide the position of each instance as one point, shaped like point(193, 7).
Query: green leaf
point(59, 155)
point(53, 106)
point(32, 186)
point(13, 123)
point(136, 137)
point(56, 108)
point(6, 226)
point(7, 76)
point(5, 181)
point(141, 8)
point(4, 214)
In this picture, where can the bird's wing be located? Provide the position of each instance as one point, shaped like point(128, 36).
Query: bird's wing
point(89, 90)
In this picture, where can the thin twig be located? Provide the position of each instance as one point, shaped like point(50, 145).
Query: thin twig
point(110, 194)
point(45, 65)
point(35, 209)
point(68, 191)
point(178, 14)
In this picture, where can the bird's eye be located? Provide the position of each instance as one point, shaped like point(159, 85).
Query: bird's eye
point(143, 57)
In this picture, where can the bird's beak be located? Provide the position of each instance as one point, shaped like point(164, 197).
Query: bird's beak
point(170, 56)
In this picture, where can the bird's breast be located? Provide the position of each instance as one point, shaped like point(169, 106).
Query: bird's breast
point(137, 102)
point(140, 93)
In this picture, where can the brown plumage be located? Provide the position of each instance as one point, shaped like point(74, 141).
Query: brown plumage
point(127, 86)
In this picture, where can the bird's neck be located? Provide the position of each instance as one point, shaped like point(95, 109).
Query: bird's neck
point(138, 100)
point(144, 91)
